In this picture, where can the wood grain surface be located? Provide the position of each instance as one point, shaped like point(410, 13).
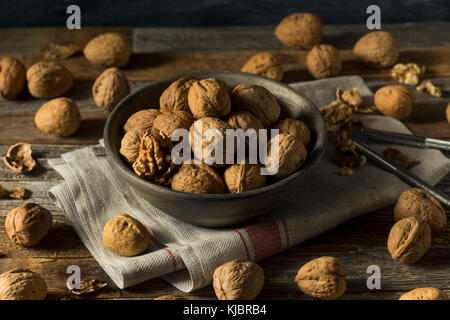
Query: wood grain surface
point(162, 52)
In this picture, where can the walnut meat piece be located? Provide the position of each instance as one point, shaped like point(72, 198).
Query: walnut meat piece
point(197, 178)
point(109, 88)
point(108, 50)
point(265, 64)
point(131, 142)
point(142, 119)
point(409, 240)
point(378, 49)
point(28, 224)
point(396, 101)
point(295, 128)
point(258, 101)
point(19, 158)
point(423, 206)
point(12, 77)
point(322, 278)
point(429, 87)
point(244, 177)
point(300, 30)
point(175, 97)
point(291, 155)
point(407, 73)
point(22, 284)
point(48, 79)
point(323, 61)
point(125, 236)
point(59, 117)
point(244, 120)
point(429, 293)
point(168, 122)
point(209, 98)
point(238, 280)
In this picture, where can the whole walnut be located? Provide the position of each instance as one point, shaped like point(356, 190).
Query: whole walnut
point(197, 178)
point(323, 61)
point(244, 177)
point(447, 112)
point(396, 101)
point(322, 278)
point(12, 77)
point(422, 205)
point(109, 88)
point(265, 64)
point(168, 122)
point(142, 119)
point(22, 284)
point(28, 224)
point(59, 117)
point(130, 144)
point(244, 120)
point(209, 98)
point(125, 236)
point(238, 280)
point(378, 49)
point(48, 79)
point(300, 30)
point(291, 155)
point(19, 158)
point(409, 240)
point(258, 101)
point(108, 50)
point(175, 97)
point(429, 293)
point(296, 128)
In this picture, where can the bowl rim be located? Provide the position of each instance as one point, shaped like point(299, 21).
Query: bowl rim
point(319, 148)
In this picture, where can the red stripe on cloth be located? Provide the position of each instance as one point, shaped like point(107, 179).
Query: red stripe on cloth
point(286, 231)
point(174, 261)
point(265, 237)
point(245, 244)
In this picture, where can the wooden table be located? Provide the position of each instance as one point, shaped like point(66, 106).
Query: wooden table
point(161, 52)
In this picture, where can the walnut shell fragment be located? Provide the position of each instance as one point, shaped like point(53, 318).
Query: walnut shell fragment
point(265, 64)
point(12, 77)
point(59, 117)
point(291, 155)
point(175, 97)
point(398, 157)
point(378, 49)
point(244, 177)
point(19, 193)
point(142, 119)
point(88, 287)
point(19, 158)
point(300, 30)
point(197, 178)
point(108, 50)
point(48, 79)
point(322, 278)
point(109, 88)
point(209, 98)
point(238, 280)
point(429, 293)
point(324, 61)
point(22, 284)
point(295, 128)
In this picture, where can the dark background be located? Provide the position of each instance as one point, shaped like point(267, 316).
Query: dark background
point(179, 13)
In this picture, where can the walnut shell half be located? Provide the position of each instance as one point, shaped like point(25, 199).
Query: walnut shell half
point(131, 142)
point(19, 158)
point(22, 284)
point(59, 117)
point(12, 77)
point(109, 88)
point(197, 178)
point(48, 79)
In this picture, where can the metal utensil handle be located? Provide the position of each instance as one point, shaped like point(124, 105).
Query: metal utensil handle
point(404, 175)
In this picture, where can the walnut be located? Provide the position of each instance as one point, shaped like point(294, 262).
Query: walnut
point(396, 101)
point(154, 161)
point(429, 87)
point(409, 240)
point(197, 178)
point(209, 98)
point(291, 154)
point(295, 128)
point(265, 64)
point(12, 77)
point(244, 120)
point(54, 51)
point(142, 119)
point(429, 293)
point(108, 50)
point(3, 191)
point(423, 206)
point(22, 284)
point(324, 61)
point(378, 49)
point(19, 193)
point(131, 142)
point(300, 30)
point(109, 88)
point(238, 280)
point(88, 287)
point(447, 112)
point(322, 278)
point(28, 224)
point(125, 236)
point(48, 79)
point(345, 171)
point(19, 158)
point(59, 117)
point(407, 73)
point(175, 97)
point(354, 100)
point(244, 177)
point(398, 157)
point(168, 122)
point(258, 101)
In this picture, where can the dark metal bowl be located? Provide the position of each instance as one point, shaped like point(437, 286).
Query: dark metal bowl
point(216, 210)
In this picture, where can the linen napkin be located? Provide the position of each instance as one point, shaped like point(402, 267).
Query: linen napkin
point(186, 255)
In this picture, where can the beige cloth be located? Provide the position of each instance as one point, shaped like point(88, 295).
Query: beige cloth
point(186, 255)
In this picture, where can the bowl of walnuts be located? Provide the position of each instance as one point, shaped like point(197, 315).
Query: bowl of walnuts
point(215, 148)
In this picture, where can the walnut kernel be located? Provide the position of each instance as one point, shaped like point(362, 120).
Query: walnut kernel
point(407, 73)
point(429, 87)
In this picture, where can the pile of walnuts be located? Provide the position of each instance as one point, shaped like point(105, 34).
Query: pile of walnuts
point(198, 105)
